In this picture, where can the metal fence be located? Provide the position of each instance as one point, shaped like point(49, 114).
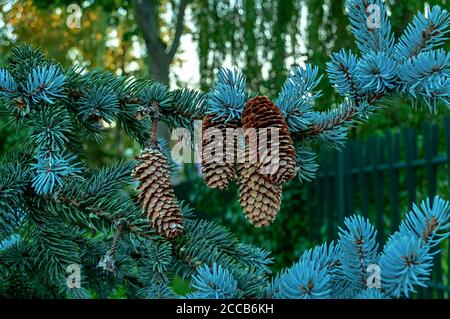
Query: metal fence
point(379, 178)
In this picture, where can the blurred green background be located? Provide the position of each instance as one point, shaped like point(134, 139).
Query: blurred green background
point(183, 43)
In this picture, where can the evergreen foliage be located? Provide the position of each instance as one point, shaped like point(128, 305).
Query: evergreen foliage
point(296, 99)
point(55, 211)
point(228, 97)
point(343, 269)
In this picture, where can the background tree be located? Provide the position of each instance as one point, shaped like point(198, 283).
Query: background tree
point(160, 53)
point(160, 24)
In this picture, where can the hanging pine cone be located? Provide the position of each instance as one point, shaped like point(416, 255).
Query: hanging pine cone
point(217, 172)
point(259, 198)
point(261, 113)
point(156, 193)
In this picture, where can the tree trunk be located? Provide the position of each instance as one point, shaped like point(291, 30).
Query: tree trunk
point(159, 57)
point(159, 68)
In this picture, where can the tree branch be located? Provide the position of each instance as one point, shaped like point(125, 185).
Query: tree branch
point(315, 129)
point(178, 28)
point(104, 216)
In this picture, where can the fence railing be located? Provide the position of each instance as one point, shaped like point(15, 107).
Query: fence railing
point(380, 178)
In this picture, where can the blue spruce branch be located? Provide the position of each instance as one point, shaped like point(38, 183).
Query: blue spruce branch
point(426, 32)
point(45, 84)
point(228, 95)
point(297, 96)
point(341, 270)
point(370, 26)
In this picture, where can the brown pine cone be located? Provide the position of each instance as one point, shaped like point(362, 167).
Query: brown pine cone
point(217, 172)
point(260, 113)
point(156, 193)
point(260, 199)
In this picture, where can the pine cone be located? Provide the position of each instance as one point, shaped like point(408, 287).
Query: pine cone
point(259, 198)
point(261, 113)
point(217, 173)
point(156, 193)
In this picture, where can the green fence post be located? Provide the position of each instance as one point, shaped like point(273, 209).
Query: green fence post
point(349, 179)
point(326, 192)
point(362, 178)
point(430, 146)
point(340, 184)
point(377, 156)
point(319, 189)
point(330, 206)
point(410, 140)
point(393, 156)
point(310, 213)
